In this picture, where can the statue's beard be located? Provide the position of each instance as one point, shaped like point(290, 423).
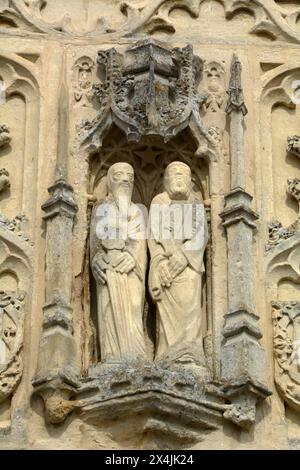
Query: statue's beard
point(122, 196)
point(178, 189)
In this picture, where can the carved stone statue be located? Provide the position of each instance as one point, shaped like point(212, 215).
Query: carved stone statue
point(118, 259)
point(177, 239)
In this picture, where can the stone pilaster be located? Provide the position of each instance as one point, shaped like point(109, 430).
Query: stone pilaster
point(56, 367)
point(56, 373)
point(243, 366)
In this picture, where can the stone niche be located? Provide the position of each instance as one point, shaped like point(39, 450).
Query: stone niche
point(151, 299)
point(164, 385)
point(148, 352)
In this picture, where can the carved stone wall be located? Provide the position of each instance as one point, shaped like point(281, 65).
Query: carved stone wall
point(213, 85)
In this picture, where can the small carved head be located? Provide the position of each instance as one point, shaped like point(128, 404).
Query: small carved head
point(120, 179)
point(214, 74)
point(178, 180)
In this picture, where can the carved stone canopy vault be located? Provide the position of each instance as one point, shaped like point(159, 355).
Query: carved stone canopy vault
point(149, 157)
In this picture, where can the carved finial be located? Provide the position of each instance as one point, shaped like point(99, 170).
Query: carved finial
point(235, 91)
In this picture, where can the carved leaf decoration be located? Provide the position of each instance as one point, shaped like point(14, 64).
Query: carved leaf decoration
point(11, 336)
point(270, 17)
point(148, 16)
point(284, 261)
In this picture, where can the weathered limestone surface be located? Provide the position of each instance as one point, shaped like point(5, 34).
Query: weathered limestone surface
point(135, 333)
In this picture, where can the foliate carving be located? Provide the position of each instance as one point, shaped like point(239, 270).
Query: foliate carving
point(4, 180)
point(83, 71)
point(150, 16)
point(235, 91)
point(4, 135)
point(278, 233)
point(294, 188)
point(11, 341)
point(16, 225)
point(4, 174)
point(294, 145)
point(286, 323)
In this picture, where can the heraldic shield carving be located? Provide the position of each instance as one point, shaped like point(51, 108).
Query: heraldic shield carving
point(149, 90)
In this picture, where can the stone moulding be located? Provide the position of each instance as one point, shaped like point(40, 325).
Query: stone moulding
point(26, 16)
point(170, 403)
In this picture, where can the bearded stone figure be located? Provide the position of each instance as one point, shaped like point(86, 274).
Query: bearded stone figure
point(177, 239)
point(118, 260)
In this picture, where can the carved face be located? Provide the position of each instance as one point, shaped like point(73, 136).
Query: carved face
point(120, 179)
point(178, 180)
point(213, 80)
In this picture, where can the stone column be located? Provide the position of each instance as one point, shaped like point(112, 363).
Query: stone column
point(56, 373)
point(243, 366)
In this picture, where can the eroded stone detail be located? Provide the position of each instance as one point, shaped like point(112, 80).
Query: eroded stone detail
point(5, 137)
point(4, 180)
point(286, 323)
point(16, 225)
point(83, 77)
point(294, 145)
point(277, 233)
point(147, 392)
point(4, 174)
point(214, 78)
point(11, 341)
point(294, 188)
point(235, 91)
point(150, 90)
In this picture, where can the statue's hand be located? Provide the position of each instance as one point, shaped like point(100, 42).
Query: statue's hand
point(165, 276)
point(156, 293)
point(124, 263)
point(99, 267)
point(177, 263)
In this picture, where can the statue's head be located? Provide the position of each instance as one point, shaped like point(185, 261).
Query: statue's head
point(120, 179)
point(178, 180)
